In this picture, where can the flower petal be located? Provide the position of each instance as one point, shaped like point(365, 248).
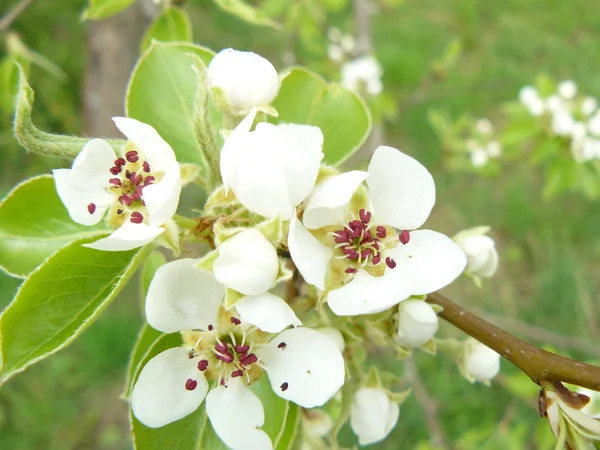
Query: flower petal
point(247, 263)
point(308, 369)
point(309, 255)
point(162, 198)
point(335, 335)
point(329, 199)
point(159, 154)
point(428, 262)
point(160, 396)
point(127, 237)
point(267, 312)
point(76, 201)
point(367, 294)
point(183, 297)
point(373, 415)
point(91, 168)
point(232, 148)
point(402, 189)
point(236, 414)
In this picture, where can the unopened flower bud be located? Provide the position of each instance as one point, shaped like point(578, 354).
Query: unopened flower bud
point(245, 78)
point(479, 362)
point(417, 323)
point(482, 257)
point(567, 89)
point(373, 415)
point(316, 422)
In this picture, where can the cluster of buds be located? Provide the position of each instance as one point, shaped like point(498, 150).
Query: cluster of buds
point(482, 145)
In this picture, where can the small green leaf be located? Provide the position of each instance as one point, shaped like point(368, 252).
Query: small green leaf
point(8, 288)
point(34, 224)
point(305, 98)
point(171, 26)
point(162, 91)
point(59, 300)
point(101, 9)
point(247, 13)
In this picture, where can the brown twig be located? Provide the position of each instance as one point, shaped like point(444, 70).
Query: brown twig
point(11, 16)
point(539, 365)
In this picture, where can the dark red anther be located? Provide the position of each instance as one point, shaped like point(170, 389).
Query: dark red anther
point(120, 162)
point(132, 156)
point(222, 348)
point(235, 321)
point(251, 358)
point(237, 373)
point(356, 224)
point(341, 236)
point(146, 166)
point(119, 211)
point(127, 174)
point(282, 345)
point(355, 233)
point(136, 217)
point(91, 208)
point(366, 253)
point(222, 382)
point(404, 237)
point(381, 232)
point(350, 270)
point(376, 259)
point(149, 180)
point(137, 194)
point(225, 357)
point(190, 384)
point(116, 170)
point(366, 237)
point(241, 348)
point(365, 216)
point(390, 262)
point(115, 181)
point(126, 199)
point(284, 386)
point(350, 253)
point(136, 178)
point(210, 328)
point(202, 365)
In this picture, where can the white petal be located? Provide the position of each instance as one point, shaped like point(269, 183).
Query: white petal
point(236, 414)
point(491, 265)
point(183, 297)
point(329, 199)
point(247, 263)
point(76, 201)
point(268, 312)
point(481, 362)
point(159, 154)
point(402, 189)
point(367, 294)
point(335, 335)
point(127, 237)
point(162, 198)
point(417, 323)
point(233, 146)
point(373, 415)
point(160, 396)
point(309, 255)
point(482, 257)
point(91, 168)
point(308, 369)
point(428, 262)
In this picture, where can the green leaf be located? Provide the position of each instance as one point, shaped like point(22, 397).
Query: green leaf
point(305, 98)
point(37, 141)
point(162, 91)
point(101, 9)
point(59, 300)
point(34, 224)
point(247, 13)
point(171, 26)
point(8, 287)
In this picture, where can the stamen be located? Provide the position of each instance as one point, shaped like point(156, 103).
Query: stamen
point(202, 365)
point(146, 166)
point(210, 328)
point(376, 259)
point(132, 156)
point(241, 348)
point(149, 180)
point(91, 208)
point(284, 386)
point(126, 199)
point(404, 237)
point(237, 373)
point(136, 217)
point(190, 384)
point(235, 321)
point(120, 162)
point(251, 358)
point(365, 216)
point(225, 357)
point(282, 345)
point(115, 181)
point(381, 232)
point(115, 170)
point(119, 211)
point(127, 174)
point(222, 348)
point(136, 178)
point(341, 236)
point(350, 270)
point(390, 262)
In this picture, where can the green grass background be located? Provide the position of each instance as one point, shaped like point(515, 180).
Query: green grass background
point(549, 250)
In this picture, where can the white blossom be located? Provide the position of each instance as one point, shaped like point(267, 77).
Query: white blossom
point(567, 89)
point(363, 73)
point(479, 362)
point(529, 97)
point(140, 188)
point(272, 169)
point(479, 157)
point(246, 79)
point(484, 126)
point(589, 106)
point(482, 256)
point(373, 415)
point(417, 323)
point(335, 53)
point(494, 149)
point(594, 125)
point(384, 260)
point(302, 365)
point(563, 122)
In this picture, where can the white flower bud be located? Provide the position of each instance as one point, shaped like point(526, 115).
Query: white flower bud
point(417, 323)
point(494, 149)
point(554, 104)
point(589, 106)
point(484, 126)
point(594, 124)
point(373, 415)
point(482, 257)
point(335, 53)
point(567, 89)
point(563, 123)
point(479, 158)
point(479, 362)
point(527, 94)
point(316, 422)
point(246, 79)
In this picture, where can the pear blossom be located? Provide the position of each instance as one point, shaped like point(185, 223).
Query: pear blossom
point(494, 149)
point(589, 106)
point(373, 415)
point(529, 97)
point(484, 126)
point(479, 362)
point(482, 256)
point(272, 169)
point(479, 157)
point(224, 352)
point(567, 89)
point(417, 323)
point(140, 189)
point(371, 255)
point(363, 73)
point(247, 79)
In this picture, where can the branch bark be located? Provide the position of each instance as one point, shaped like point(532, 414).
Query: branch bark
point(7, 20)
point(539, 365)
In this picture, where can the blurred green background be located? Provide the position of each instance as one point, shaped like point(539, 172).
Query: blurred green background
point(546, 290)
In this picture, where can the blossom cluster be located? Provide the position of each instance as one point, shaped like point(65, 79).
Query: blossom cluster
point(482, 145)
point(355, 238)
point(569, 115)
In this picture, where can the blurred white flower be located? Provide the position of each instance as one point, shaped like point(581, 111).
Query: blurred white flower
point(348, 44)
point(246, 79)
point(589, 106)
point(417, 323)
point(479, 158)
point(594, 125)
point(494, 149)
point(578, 131)
point(529, 97)
point(482, 257)
point(478, 362)
point(335, 53)
point(363, 73)
point(373, 415)
point(555, 104)
point(567, 89)
point(484, 126)
point(334, 34)
point(563, 123)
